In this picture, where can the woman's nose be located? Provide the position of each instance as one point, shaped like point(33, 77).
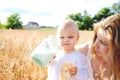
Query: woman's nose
point(96, 44)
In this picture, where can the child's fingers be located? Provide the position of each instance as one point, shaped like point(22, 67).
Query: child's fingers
point(73, 71)
point(54, 57)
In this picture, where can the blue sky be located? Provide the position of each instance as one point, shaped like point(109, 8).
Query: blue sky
point(49, 12)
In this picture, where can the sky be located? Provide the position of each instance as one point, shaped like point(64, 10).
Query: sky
point(49, 12)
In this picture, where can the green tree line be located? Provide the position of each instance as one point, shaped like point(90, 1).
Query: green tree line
point(84, 21)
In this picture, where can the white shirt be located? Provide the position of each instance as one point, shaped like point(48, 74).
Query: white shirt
point(78, 59)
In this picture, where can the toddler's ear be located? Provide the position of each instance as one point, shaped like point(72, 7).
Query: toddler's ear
point(78, 37)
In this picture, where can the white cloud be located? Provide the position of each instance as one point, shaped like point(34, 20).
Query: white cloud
point(49, 12)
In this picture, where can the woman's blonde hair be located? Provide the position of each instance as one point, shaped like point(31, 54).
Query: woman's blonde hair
point(111, 26)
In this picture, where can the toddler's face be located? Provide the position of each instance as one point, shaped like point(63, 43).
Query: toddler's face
point(68, 38)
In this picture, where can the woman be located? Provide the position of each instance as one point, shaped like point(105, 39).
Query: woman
point(104, 53)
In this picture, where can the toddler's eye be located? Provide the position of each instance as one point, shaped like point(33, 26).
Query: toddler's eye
point(61, 37)
point(71, 37)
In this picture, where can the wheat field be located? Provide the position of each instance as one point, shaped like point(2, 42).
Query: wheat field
point(16, 47)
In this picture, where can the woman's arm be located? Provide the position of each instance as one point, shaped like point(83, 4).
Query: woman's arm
point(83, 48)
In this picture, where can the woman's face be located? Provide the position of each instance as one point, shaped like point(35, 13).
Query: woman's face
point(101, 44)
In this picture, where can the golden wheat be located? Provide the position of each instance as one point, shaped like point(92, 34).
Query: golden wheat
point(15, 50)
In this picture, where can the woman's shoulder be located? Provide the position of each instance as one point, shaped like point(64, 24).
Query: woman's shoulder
point(84, 48)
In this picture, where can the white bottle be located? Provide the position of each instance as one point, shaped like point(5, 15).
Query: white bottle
point(45, 51)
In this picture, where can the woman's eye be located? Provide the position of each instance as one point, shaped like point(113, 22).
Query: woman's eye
point(102, 43)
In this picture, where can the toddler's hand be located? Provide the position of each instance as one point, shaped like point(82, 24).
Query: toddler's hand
point(52, 60)
point(73, 71)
